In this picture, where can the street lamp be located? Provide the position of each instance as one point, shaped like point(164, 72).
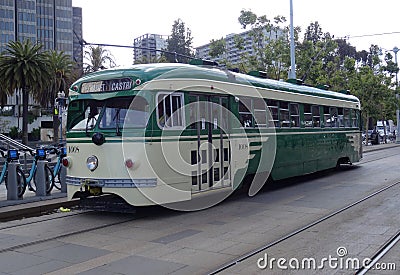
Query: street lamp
point(395, 50)
point(292, 71)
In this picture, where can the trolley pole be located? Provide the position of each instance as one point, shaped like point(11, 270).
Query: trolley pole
point(292, 72)
point(395, 50)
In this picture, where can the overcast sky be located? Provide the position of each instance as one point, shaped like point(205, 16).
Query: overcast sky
point(120, 21)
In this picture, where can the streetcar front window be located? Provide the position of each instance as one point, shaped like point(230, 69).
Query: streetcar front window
point(87, 118)
point(114, 113)
point(120, 113)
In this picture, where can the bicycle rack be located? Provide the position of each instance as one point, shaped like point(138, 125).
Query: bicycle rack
point(40, 178)
point(63, 176)
point(12, 189)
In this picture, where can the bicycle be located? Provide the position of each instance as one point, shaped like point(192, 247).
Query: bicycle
point(61, 152)
point(12, 156)
point(40, 154)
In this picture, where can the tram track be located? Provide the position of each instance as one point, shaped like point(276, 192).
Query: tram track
point(59, 236)
point(138, 215)
point(302, 229)
point(379, 255)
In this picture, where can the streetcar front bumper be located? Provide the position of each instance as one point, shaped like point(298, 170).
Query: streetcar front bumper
point(111, 183)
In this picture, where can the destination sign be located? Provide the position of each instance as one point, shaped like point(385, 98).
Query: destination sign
point(110, 85)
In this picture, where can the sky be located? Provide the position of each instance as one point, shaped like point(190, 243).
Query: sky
point(120, 21)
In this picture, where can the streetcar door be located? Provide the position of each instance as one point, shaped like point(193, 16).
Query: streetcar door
point(210, 154)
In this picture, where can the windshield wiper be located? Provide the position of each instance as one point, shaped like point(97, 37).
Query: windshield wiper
point(116, 118)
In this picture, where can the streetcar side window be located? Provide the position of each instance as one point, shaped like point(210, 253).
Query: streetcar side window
point(346, 118)
point(316, 116)
point(245, 115)
point(273, 117)
point(169, 110)
point(284, 114)
point(260, 112)
point(331, 117)
point(340, 118)
point(294, 115)
point(308, 116)
point(354, 117)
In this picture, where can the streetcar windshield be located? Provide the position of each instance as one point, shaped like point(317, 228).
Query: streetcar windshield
point(114, 113)
point(122, 113)
point(87, 118)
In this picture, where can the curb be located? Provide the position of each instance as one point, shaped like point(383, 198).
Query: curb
point(17, 211)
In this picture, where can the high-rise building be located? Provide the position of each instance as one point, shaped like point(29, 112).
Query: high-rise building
point(77, 35)
point(49, 22)
point(53, 23)
point(233, 54)
point(147, 45)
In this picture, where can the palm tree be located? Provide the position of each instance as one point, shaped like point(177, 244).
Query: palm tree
point(98, 58)
point(61, 68)
point(24, 66)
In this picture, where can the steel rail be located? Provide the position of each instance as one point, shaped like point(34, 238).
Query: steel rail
point(298, 231)
point(381, 252)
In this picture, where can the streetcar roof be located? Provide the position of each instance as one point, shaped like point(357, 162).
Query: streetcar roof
point(142, 73)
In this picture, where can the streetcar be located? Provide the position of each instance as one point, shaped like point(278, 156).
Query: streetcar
point(187, 135)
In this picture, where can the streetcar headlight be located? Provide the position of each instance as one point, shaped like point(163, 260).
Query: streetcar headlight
point(92, 162)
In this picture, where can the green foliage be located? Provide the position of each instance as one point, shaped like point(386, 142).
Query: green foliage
point(24, 66)
point(14, 133)
point(322, 60)
point(145, 60)
point(35, 134)
point(97, 58)
point(217, 47)
point(270, 42)
point(179, 42)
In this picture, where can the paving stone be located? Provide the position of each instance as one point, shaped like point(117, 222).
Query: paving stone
point(71, 253)
point(142, 265)
point(12, 262)
point(176, 236)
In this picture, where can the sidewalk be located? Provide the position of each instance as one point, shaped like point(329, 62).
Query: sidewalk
point(381, 146)
point(31, 204)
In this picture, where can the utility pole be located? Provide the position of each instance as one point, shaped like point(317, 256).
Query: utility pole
point(292, 71)
point(395, 50)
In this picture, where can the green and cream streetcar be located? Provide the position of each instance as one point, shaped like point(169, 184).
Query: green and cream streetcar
point(168, 133)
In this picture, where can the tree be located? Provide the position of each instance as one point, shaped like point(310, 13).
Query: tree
point(270, 42)
point(61, 68)
point(180, 42)
point(217, 47)
point(24, 66)
point(97, 59)
point(155, 59)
